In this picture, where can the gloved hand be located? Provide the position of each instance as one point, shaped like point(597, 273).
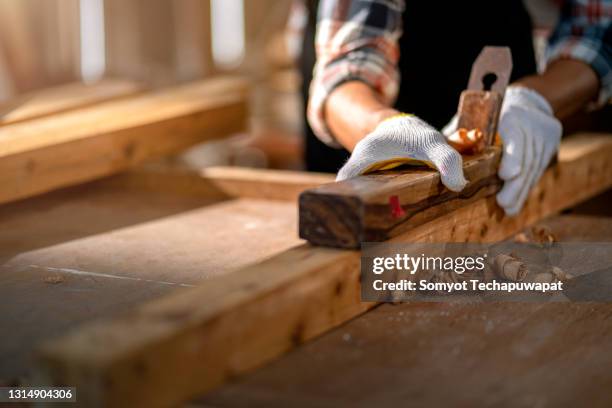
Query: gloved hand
point(405, 139)
point(531, 136)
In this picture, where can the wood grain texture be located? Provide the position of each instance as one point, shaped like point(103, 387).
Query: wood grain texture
point(63, 98)
point(117, 242)
point(72, 147)
point(261, 183)
point(345, 214)
point(176, 347)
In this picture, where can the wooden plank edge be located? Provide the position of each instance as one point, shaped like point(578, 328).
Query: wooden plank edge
point(63, 98)
point(268, 184)
point(218, 182)
point(174, 348)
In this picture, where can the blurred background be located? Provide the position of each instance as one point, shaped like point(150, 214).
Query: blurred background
point(164, 42)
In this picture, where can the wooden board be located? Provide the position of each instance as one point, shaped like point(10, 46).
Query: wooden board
point(81, 145)
point(173, 348)
point(260, 183)
point(376, 207)
point(220, 182)
point(63, 98)
point(103, 248)
point(493, 354)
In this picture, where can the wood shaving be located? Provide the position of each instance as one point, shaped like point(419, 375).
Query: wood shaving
point(467, 141)
point(555, 274)
point(539, 234)
point(509, 267)
point(521, 238)
point(560, 274)
point(542, 234)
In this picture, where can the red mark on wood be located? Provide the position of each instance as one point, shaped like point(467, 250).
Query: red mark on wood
point(396, 209)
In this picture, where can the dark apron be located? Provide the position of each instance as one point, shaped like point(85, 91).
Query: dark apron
point(441, 41)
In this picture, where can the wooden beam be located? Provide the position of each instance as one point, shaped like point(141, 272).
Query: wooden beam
point(376, 207)
point(261, 183)
point(82, 145)
point(219, 182)
point(63, 98)
point(173, 348)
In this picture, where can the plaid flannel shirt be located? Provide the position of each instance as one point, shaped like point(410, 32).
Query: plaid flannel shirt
point(358, 40)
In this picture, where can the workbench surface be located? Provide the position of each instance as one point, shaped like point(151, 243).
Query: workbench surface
point(102, 248)
point(441, 354)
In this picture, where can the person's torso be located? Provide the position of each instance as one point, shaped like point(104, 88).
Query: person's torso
point(441, 40)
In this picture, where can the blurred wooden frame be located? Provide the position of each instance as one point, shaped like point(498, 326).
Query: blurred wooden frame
point(39, 44)
point(157, 41)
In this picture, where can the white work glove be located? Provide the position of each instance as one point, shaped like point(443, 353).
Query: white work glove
point(405, 139)
point(531, 136)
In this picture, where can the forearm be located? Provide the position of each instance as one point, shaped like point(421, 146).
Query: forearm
point(353, 110)
point(568, 85)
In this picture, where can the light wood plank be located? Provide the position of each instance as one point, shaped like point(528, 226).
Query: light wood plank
point(176, 347)
point(63, 98)
point(85, 144)
point(219, 182)
point(261, 183)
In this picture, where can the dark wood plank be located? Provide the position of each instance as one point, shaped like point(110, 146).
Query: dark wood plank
point(377, 207)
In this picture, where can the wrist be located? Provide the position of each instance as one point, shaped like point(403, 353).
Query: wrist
point(567, 85)
point(379, 116)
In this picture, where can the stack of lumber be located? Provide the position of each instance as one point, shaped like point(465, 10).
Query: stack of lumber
point(76, 133)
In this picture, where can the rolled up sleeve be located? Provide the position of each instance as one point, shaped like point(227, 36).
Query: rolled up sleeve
point(584, 33)
point(356, 41)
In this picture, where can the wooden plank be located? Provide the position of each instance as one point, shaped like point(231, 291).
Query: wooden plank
point(367, 208)
point(220, 182)
point(176, 347)
point(42, 155)
point(63, 98)
point(261, 183)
